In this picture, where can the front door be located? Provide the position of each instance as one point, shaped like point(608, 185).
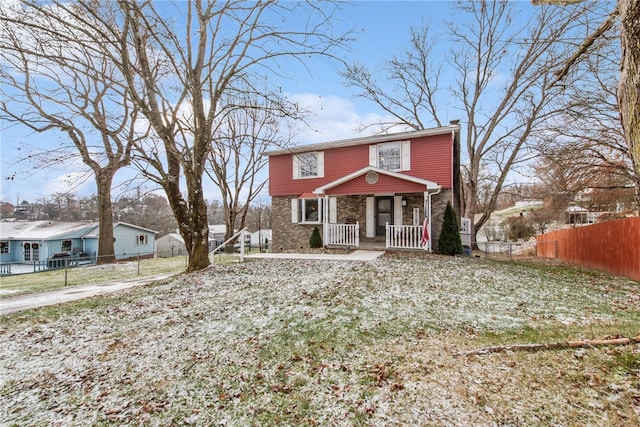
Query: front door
point(384, 214)
point(31, 251)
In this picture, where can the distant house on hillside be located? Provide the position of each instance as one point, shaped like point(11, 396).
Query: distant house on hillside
point(31, 241)
point(388, 188)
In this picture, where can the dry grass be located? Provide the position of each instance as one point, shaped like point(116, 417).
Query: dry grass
point(21, 284)
point(330, 343)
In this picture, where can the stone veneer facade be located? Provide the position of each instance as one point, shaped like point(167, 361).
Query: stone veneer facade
point(288, 236)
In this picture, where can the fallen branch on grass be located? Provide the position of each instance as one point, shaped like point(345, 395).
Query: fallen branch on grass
point(552, 346)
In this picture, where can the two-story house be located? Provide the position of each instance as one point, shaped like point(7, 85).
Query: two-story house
point(389, 188)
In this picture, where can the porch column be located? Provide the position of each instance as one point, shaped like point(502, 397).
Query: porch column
point(325, 220)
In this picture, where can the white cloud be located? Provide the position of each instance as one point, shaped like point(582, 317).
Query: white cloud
point(332, 118)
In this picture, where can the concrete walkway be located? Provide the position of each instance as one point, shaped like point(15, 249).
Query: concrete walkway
point(17, 303)
point(72, 293)
point(359, 255)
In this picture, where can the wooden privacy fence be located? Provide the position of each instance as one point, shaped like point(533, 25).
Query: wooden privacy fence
point(612, 246)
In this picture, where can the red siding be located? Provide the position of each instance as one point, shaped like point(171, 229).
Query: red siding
point(431, 159)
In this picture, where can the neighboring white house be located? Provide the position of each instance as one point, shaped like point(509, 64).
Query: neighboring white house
point(216, 233)
point(170, 245)
point(261, 237)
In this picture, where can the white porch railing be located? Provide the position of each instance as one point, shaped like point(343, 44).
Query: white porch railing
point(404, 236)
point(342, 234)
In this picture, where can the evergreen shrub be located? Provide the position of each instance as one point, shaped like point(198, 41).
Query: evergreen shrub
point(315, 241)
point(449, 242)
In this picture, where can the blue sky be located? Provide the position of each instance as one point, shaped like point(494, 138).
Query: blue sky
point(382, 29)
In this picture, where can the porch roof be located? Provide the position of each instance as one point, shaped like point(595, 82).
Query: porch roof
point(429, 185)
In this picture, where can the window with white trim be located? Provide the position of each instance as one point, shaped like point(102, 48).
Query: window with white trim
point(142, 239)
point(66, 246)
point(392, 156)
point(4, 247)
point(308, 165)
point(307, 211)
point(389, 156)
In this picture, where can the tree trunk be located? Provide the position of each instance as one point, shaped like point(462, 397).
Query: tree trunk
point(192, 216)
point(229, 221)
point(199, 254)
point(106, 251)
point(629, 89)
point(469, 210)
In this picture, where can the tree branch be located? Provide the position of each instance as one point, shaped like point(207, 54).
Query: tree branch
point(552, 346)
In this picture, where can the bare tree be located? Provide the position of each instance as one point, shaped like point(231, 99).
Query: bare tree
point(178, 60)
point(237, 163)
point(146, 209)
point(629, 84)
point(586, 143)
point(51, 81)
point(501, 74)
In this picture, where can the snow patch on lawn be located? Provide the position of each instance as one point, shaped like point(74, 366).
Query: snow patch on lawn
point(290, 341)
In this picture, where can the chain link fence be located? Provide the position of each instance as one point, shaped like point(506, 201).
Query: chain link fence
point(508, 250)
point(53, 273)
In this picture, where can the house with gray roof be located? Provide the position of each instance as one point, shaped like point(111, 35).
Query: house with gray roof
point(34, 241)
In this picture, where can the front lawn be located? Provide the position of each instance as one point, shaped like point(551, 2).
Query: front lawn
point(20, 284)
point(302, 342)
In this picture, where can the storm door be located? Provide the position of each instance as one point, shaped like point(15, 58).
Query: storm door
point(384, 214)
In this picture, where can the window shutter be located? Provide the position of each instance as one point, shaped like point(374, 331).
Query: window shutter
point(333, 210)
point(320, 164)
point(397, 210)
point(405, 152)
point(294, 211)
point(370, 224)
point(296, 167)
point(373, 155)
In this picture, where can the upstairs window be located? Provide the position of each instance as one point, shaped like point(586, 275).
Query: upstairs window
point(391, 156)
point(308, 165)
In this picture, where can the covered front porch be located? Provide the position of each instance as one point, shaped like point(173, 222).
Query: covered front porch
point(379, 209)
point(396, 237)
point(378, 222)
